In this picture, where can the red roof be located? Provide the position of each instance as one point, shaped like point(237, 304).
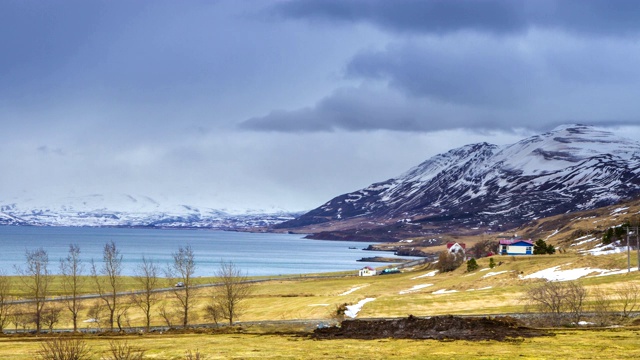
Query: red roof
point(514, 241)
point(450, 244)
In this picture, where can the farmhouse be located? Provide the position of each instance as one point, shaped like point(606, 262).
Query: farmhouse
point(450, 244)
point(515, 247)
point(367, 271)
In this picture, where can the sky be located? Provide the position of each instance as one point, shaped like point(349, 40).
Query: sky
point(282, 105)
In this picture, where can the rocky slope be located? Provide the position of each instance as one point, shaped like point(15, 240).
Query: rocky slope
point(487, 187)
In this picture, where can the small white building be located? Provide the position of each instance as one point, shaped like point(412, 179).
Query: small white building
point(367, 271)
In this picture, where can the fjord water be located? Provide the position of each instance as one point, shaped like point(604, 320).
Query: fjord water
point(254, 253)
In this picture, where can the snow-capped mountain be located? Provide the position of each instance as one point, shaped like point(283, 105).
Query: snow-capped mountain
point(127, 210)
point(573, 167)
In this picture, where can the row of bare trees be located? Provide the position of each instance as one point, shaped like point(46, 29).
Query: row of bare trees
point(107, 282)
point(568, 301)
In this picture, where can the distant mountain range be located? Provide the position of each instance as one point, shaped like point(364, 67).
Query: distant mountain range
point(484, 187)
point(472, 189)
point(131, 211)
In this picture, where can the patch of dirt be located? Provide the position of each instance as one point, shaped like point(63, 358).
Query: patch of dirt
point(437, 328)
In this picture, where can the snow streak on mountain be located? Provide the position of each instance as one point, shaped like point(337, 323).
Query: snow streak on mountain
point(571, 168)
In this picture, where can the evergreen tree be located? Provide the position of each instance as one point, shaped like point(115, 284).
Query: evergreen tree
point(472, 265)
point(608, 236)
point(541, 248)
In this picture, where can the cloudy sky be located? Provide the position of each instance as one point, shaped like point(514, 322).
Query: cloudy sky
point(284, 104)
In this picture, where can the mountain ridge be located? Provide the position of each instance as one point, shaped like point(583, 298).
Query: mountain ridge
point(126, 210)
point(490, 187)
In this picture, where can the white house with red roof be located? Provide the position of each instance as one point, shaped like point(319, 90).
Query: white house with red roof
point(515, 247)
point(367, 271)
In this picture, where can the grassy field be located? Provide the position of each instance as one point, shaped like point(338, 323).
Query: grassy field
point(564, 344)
point(485, 291)
point(419, 292)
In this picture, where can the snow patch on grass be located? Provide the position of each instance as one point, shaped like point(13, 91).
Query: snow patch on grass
point(429, 274)
point(554, 274)
point(352, 290)
point(444, 291)
point(584, 239)
point(490, 274)
point(555, 232)
point(615, 272)
point(605, 250)
point(414, 289)
point(620, 209)
point(484, 288)
point(353, 310)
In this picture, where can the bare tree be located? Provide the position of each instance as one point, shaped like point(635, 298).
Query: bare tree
point(21, 317)
point(95, 314)
point(575, 296)
point(71, 269)
point(36, 279)
point(214, 311)
point(548, 298)
point(122, 316)
point(121, 350)
point(147, 277)
point(5, 300)
point(235, 288)
point(51, 316)
point(109, 284)
point(449, 261)
point(628, 295)
point(557, 299)
point(601, 306)
point(182, 270)
point(483, 248)
point(63, 349)
point(166, 315)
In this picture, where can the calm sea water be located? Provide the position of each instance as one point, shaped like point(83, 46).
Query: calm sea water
point(255, 254)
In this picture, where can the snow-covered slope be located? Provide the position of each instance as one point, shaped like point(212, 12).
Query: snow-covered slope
point(571, 168)
point(125, 210)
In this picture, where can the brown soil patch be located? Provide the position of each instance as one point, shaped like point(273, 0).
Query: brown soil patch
point(437, 328)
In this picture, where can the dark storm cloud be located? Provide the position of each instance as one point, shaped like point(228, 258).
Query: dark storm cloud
point(494, 16)
point(469, 73)
point(479, 82)
point(481, 64)
point(349, 108)
point(357, 109)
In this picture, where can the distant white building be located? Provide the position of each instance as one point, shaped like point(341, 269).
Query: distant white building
point(457, 250)
point(367, 271)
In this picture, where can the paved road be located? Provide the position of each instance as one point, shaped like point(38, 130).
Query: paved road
point(198, 286)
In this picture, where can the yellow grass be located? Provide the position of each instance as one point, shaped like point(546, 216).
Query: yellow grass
point(565, 344)
point(310, 298)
